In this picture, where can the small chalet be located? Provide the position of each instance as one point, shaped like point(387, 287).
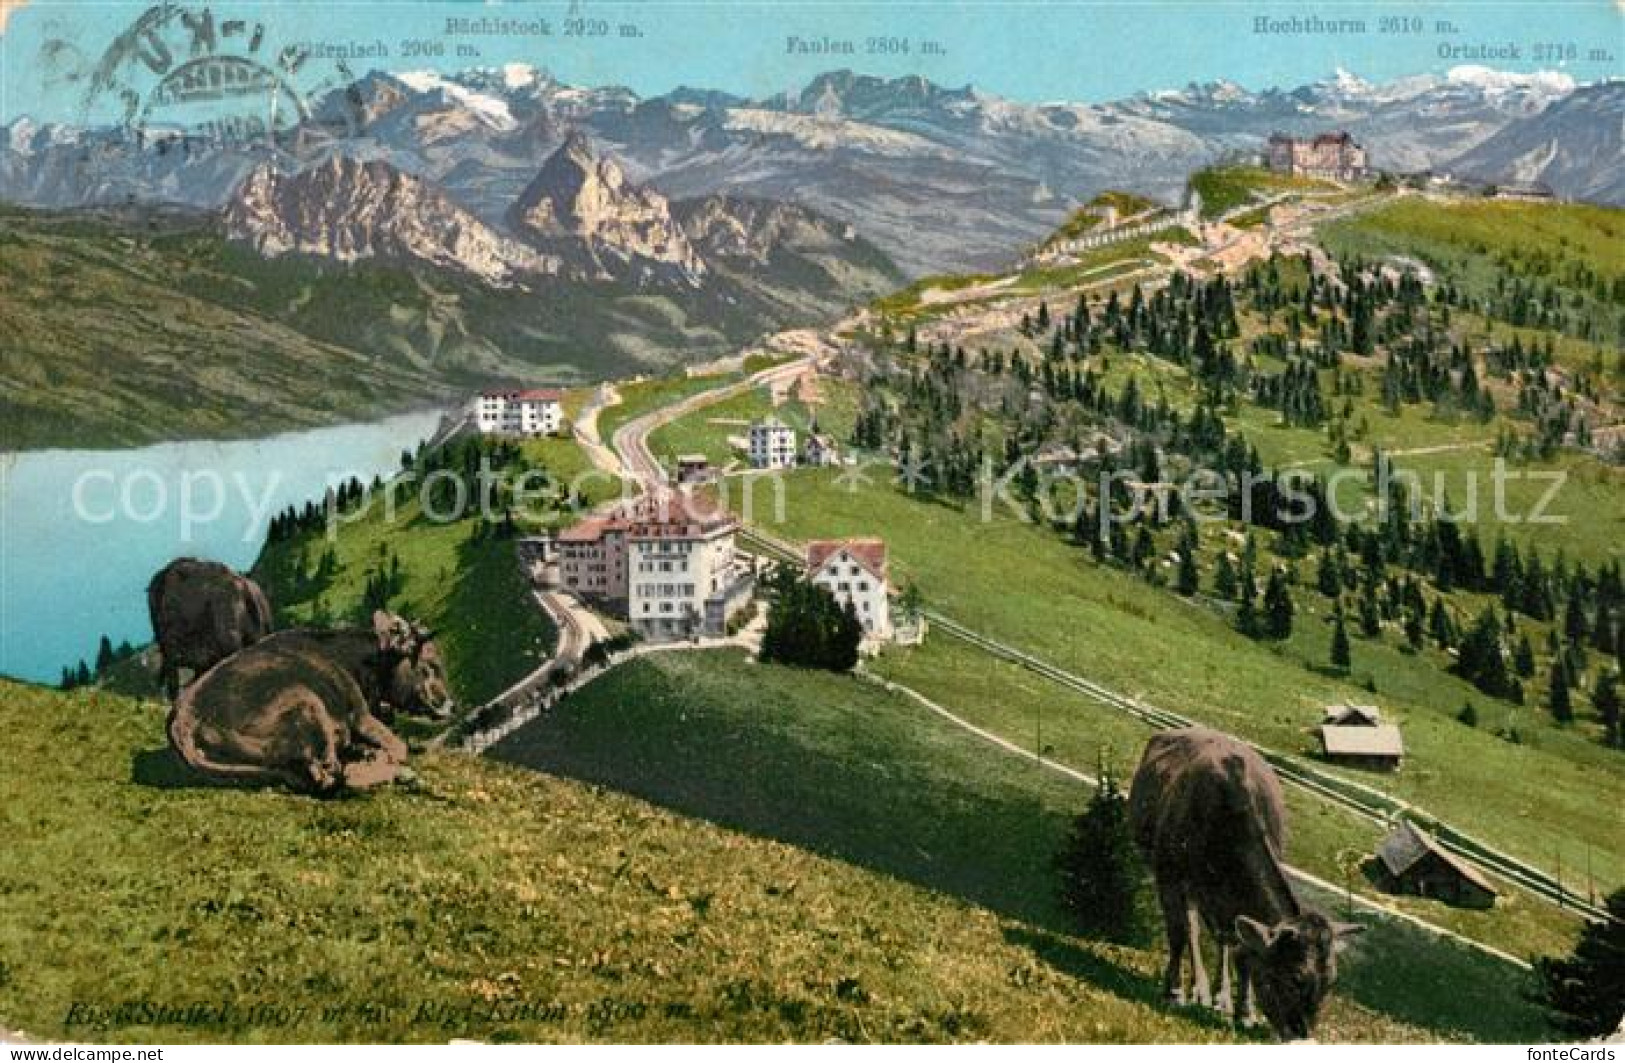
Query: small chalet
point(819, 450)
point(695, 469)
point(1410, 861)
point(1356, 735)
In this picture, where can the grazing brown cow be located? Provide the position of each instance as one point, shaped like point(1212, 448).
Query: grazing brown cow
point(203, 612)
point(297, 708)
point(1207, 812)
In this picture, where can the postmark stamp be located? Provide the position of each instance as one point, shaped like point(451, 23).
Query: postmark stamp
point(185, 71)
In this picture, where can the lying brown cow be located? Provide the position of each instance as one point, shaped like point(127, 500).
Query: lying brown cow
point(203, 612)
point(297, 708)
point(1208, 815)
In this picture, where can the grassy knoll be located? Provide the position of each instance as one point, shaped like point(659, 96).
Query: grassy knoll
point(645, 396)
point(1576, 249)
point(847, 770)
point(568, 465)
point(913, 296)
point(1116, 628)
point(1078, 731)
point(1100, 263)
point(1227, 187)
point(706, 431)
point(487, 889)
point(1091, 215)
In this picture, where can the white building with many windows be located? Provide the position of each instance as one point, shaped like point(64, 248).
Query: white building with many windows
point(772, 444)
point(854, 570)
point(538, 412)
point(683, 575)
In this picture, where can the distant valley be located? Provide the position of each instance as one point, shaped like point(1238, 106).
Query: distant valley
point(498, 225)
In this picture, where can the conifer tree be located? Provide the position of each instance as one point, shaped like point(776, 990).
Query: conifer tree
point(1103, 880)
point(1277, 607)
point(1560, 702)
point(1340, 643)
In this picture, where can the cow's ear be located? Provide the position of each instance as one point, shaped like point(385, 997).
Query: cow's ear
point(1255, 937)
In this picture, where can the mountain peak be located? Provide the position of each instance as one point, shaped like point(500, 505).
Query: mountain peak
point(583, 203)
point(349, 209)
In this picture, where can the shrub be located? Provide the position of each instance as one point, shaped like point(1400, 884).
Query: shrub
point(807, 627)
point(1103, 880)
point(1585, 990)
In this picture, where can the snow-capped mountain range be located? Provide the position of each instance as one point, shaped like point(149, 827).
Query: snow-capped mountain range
point(939, 178)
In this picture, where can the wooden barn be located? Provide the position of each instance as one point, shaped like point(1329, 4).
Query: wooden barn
point(1410, 861)
point(1356, 735)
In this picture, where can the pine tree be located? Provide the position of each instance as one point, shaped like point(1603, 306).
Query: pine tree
point(1277, 607)
point(807, 627)
point(1340, 643)
point(1103, 881)
point(1585, 990)
point(1523, 658)
point(1329, 577)
point(1189, 578)
point(1247, 621)
point(1480, 660)
point(1561, 705)
point(104, 655)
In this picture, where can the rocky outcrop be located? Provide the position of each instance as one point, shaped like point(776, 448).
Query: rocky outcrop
point(347, 209)
point(582, 207)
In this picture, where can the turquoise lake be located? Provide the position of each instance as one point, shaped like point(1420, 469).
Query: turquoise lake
point(82, 531)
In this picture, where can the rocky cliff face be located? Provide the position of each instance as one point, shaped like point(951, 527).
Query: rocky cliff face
point(1560, 146)
point(348, 209)
point(583, 207)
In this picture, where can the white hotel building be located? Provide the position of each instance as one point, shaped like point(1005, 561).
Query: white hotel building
point(772, 444)
point(670, 568)
point(518, 413)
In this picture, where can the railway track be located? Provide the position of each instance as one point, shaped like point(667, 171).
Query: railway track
point(1354, 797)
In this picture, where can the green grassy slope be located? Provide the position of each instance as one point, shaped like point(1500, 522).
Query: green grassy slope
point(104, 348)
point(1576, 250)
point(129, 329)
point(450, 909)
point(1227, 187)
point(708, 431)
point(844, 769)
point(1075, 730)
point(1119, 630)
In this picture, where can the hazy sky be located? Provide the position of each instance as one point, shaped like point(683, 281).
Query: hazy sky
point(1025, 50)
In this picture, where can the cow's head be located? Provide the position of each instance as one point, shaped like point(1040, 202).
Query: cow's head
point(1294, 964)
point(413, 675)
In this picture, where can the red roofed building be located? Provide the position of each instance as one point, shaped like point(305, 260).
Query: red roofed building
point(592, 560)
point(666, 563)
point(518, 412)
point(683, 575)
point(854, 570)
point(1329, 156)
